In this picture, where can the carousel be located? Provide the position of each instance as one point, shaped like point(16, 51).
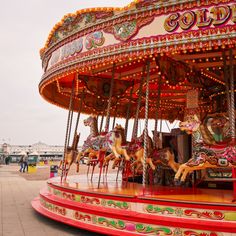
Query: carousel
point(154, 61)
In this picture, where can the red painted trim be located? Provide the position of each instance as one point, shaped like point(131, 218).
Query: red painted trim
point(209, 225)
point(94, 228)
point(89, 208)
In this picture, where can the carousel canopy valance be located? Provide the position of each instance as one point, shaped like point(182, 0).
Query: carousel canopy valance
point(186, 42)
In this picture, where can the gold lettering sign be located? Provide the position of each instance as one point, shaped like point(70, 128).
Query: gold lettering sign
point(215, 16)
point(220, 15)
point(187, 20)
point(171, 22)
point(202, 19)
point(233, 9)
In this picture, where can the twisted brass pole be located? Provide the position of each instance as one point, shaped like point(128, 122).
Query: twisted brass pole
point(110, 99)
point(146, 125)
point(128, 112)
point(67, 128)
point(135, 127)
point(232, 96)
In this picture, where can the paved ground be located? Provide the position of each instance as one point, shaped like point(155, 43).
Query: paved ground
point(17, 218)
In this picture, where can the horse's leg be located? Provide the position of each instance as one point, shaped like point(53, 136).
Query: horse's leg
point(122, 151)
point(77, 161)
point(67, 170)
point(77, 166)
point(180, 171)
point(150, 163)
point(116, 162)
point(88, 169)
point(125, 154)
point(60, 164)
point(201, 166)
point(139, 166)
point(132, 165)
point(107, 168)
point(185, 173)
point(140, 155)
point(203, 173)
point(92, 172)
point(114, 150)
point(174, 166)
point(64, 171)
point(107, 159)
point(136, 167)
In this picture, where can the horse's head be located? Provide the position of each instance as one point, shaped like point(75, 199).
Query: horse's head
point(119, 130)
point(219, 122)
point(219, 126)
point(89, 121)
point(191, 124)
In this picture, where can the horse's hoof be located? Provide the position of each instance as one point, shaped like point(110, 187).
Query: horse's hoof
point(177, 182)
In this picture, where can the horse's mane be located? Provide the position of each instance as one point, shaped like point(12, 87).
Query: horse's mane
point(95, 124)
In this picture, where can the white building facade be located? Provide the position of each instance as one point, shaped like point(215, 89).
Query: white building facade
point(40, 148)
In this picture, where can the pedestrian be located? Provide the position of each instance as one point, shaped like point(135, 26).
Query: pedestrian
point(21, 162)
point(25, 162)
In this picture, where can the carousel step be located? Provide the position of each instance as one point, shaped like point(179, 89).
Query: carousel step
point(78, 224)
point(200, 210)
point(82, 211)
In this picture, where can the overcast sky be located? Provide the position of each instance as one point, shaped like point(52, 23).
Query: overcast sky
point(26, 117)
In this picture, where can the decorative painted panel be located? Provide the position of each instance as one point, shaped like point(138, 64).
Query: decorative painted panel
point(128, 225)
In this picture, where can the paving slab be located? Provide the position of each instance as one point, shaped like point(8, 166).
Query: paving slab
point(17, 217)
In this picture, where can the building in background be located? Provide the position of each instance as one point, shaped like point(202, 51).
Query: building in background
point(43, 150)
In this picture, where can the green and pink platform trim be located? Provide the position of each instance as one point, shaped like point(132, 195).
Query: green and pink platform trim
point(140, 213)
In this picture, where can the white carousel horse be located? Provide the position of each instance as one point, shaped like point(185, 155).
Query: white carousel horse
point(217, 155)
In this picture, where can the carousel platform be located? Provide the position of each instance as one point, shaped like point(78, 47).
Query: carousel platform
point(118, 207)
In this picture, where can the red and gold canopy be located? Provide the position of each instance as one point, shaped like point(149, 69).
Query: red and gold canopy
point(186, 42)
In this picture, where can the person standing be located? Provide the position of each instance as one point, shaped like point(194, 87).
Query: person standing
point(25, 162)
point(21, 162)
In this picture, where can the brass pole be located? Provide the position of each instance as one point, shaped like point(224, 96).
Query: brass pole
point(128, 111)
point(146, 125)
point(135, 127)
point(232, 96)
point(110, 99)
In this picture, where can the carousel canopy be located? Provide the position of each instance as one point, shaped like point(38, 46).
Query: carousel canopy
point(186, 43)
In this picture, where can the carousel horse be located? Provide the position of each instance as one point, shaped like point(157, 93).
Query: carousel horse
point(155, 157)
point(163, 156)
point(136, 151)
point(207, 153)
point(71, 156)
point(89, 145)
point(111, 141)
point(118, 147)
